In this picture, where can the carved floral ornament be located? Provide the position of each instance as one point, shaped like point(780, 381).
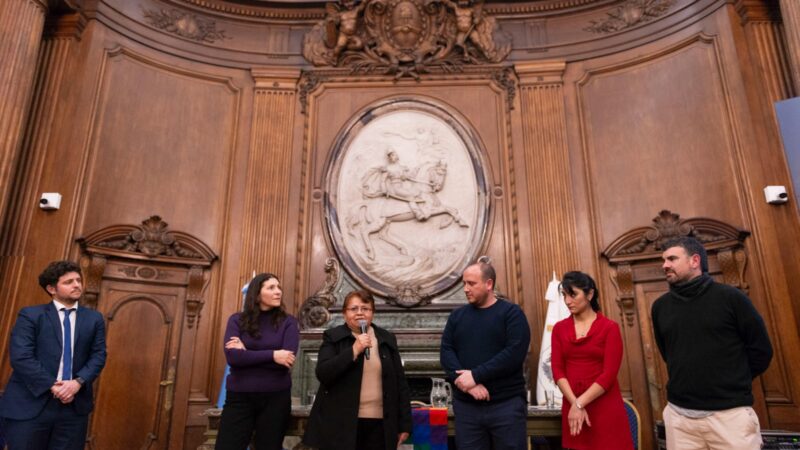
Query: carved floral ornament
point(184, 24)
point(629, 14)
point(405, 37)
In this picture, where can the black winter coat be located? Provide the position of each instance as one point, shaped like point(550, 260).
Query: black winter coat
point(333, 421)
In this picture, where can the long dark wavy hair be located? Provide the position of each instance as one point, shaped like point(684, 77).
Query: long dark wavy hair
point(248, 321)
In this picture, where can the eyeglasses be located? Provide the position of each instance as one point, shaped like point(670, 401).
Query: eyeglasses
point(356, 309)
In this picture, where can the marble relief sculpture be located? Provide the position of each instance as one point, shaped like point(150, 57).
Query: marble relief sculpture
point(406, 204)
point(412, 189)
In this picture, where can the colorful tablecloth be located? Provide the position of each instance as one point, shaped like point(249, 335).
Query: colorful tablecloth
point(429, 430)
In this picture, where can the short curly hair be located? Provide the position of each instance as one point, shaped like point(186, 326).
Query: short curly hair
point(56, 270)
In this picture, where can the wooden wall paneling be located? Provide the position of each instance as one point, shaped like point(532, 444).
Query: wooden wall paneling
point(761, 161)
point(22, 22)
point(265, 234)
point(629, 132)
point(546, 172)
point(790, 12)
point(177, 136)
point(54, 56)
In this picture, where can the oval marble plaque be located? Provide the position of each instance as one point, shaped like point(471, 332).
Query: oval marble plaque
point(406, 198)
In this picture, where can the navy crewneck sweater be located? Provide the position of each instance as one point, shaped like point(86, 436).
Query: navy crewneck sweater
point(492, 342)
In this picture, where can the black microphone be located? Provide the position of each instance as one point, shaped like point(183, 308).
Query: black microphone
point(363, 324)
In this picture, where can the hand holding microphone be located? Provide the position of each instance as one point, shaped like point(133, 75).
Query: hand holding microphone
point(366, 342)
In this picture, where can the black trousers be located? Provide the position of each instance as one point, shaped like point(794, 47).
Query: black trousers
point(370, 435)
point(266, 413)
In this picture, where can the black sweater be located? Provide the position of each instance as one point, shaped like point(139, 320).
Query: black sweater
point(714, 343)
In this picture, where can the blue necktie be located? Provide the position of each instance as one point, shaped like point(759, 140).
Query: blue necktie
point(66, 374)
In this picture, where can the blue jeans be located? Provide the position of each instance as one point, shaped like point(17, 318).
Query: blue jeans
point(496, 425)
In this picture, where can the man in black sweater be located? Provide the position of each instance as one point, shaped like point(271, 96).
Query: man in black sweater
point(714, 343)
point(484, 346)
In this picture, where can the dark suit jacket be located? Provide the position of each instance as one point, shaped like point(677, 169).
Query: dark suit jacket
point(35, 349)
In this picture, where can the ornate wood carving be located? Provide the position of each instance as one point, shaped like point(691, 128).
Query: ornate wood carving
point(151, 239)
point(646, 244)
point(507, 79)
point(185, 25)
point(308, 82)
point(630, 13)
point(405, 37)
point(194, 294)
point(623, 281)
point(314, 311)
point(92, 278)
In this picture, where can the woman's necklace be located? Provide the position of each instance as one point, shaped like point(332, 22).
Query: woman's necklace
point(582, 328)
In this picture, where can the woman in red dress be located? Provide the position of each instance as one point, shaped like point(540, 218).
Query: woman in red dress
point(587, 353)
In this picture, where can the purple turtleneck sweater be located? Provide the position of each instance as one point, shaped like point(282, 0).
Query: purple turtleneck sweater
point(254, 370)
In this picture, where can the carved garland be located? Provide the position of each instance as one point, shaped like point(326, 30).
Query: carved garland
point(150, 241)
point(647, 243)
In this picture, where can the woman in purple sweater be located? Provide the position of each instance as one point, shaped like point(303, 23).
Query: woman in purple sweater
point(260, 344)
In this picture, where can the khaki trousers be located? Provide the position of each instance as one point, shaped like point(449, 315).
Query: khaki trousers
point(729, 429)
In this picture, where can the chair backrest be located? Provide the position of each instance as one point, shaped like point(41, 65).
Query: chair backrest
point(634, 421)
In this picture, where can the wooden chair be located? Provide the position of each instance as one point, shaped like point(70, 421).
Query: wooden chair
point(635, 421)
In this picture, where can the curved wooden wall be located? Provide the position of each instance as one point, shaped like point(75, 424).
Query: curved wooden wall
point(597, 126)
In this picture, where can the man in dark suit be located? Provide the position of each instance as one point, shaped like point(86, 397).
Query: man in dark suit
point(57, 349)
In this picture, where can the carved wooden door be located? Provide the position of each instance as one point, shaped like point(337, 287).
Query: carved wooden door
point(135, 393)
point(148, 283)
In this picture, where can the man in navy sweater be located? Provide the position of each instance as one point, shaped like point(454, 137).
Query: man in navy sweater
point(714, 343)
point(484, 346)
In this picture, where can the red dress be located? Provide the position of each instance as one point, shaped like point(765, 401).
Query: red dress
point(593, 359)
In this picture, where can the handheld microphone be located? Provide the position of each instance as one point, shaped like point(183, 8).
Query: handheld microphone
point(363, 324)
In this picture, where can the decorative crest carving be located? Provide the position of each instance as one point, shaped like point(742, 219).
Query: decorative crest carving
point(668, 225)
point(630, 13)
point(314, 311)
point(643, 245)
point(186, 25)
point(405, 37)
point(151, 239)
